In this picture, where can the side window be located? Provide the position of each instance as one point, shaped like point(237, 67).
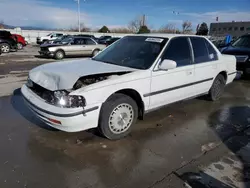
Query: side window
point(178, 50)
point(212, 54)
point(200, 48)
point(78, 41)
point(89, 42)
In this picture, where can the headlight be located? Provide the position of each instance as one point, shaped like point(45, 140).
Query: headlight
point(64, 100)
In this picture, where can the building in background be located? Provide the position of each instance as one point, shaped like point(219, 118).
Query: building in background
point(235, 29)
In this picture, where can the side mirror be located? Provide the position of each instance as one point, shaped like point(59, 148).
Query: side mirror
point(167, 64)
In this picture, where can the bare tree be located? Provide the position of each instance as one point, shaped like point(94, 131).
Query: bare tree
point(169, 28)
point(1, 24)
point(187, 27)
point(135, 25)
point(83, 28)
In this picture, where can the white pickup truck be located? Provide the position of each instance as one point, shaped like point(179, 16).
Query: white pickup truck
point(131, 77)
point(51, 36)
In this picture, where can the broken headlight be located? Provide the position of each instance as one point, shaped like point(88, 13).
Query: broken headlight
point(63, 99)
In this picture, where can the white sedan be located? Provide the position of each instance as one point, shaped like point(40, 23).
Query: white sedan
point(133, 76)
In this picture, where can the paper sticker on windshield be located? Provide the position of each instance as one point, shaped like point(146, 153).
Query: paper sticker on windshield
point(154, 40)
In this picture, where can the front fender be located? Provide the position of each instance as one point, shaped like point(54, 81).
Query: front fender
point(101, 94)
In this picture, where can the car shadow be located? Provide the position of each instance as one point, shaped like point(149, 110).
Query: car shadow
point(19, 105)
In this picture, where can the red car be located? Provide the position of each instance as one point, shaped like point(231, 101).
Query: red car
point(20, 41)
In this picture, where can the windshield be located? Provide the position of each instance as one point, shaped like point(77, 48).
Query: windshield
point(243, 41)
point(133, 51)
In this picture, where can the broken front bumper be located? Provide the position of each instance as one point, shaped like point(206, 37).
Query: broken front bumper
point(46, 53)
point(65, 119)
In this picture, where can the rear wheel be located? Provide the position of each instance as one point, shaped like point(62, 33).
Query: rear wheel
point(117, 116)
point(95, 52)
point(59, 55)
point(217, 88)
point(19, 46)
point(5, 48)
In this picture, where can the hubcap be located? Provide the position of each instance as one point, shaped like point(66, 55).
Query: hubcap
point(5, 48)
point(59, 55)
point(121, 118)
point(19, 46)
point(95, 52)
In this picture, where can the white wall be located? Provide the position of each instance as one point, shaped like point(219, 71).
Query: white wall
point(31, 35)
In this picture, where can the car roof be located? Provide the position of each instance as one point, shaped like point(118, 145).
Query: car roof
point(169, 36)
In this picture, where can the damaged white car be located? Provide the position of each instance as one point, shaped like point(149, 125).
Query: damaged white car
point(131, 77)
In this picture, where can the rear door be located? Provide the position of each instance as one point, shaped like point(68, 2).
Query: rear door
point(90, 45)
point(206, 64)
point(76, 47)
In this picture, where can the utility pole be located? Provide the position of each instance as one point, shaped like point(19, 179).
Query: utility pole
point(79, 15)
point(143, 20)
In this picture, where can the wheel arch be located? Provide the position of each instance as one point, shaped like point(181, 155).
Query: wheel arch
point(60, 49)
point(135, 95)
point(224, 74)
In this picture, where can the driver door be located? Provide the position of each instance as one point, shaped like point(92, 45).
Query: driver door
point(168, 86)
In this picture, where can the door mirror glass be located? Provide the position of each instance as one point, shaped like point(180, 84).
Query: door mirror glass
point(167, 64)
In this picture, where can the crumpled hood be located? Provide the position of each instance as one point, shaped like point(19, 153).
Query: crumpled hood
point(63, 75)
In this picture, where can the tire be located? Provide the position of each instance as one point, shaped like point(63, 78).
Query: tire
point(5, 48)
point(217, 88)
point(95, 52)
point(118, 114)
point(19, 46)
point(59, 55)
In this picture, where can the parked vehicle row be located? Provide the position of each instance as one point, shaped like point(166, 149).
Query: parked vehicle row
point(11, 42)
point(71, 46)
point(135, 75)
point(74, 45)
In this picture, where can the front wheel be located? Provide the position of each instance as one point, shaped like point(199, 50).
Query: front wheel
point(117, 116)
point(19, 46)
point(95, 52)
point(217, 88)
point(59, 55)
point(5, 48)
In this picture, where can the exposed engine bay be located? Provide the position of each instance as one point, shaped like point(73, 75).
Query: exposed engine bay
point(91, 79)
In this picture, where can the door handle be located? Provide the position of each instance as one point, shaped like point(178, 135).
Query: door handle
point(83, 46)
point(189, 72)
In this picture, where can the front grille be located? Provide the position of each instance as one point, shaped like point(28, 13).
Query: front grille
point(45, 94)
point(241, 58)
point(44, 49)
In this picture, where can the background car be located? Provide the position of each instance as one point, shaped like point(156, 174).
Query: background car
point(56, 41)
point(51, 36)
point(111, 40)
point(241, 49)
point(72, 46)
point(102, 39)
point(20, 41)
point(7, 43)
point(86, 35)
